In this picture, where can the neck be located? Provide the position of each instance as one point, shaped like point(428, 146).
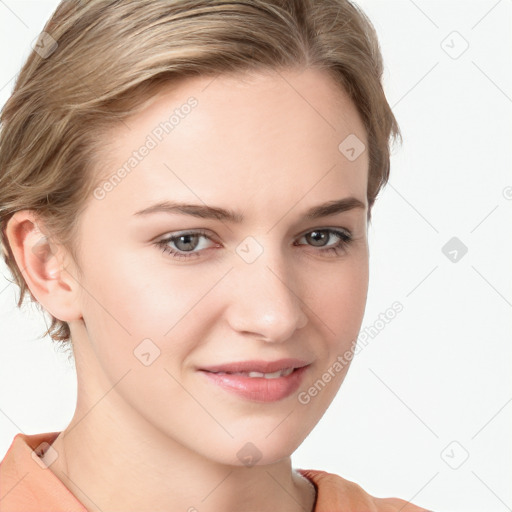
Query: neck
point(121, 470)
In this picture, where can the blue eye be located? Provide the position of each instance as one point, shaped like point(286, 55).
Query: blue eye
point(189, 242)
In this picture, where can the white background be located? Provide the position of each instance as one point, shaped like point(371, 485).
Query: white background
point(434, 385)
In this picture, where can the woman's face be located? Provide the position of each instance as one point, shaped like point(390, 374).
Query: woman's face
point(272, 283)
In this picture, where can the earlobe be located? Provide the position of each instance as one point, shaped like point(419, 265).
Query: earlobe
point(41, 265)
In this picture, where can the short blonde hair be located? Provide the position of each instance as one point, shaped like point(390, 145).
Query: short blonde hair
point(111, 56)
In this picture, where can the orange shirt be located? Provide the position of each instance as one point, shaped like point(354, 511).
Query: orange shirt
point(27, 485)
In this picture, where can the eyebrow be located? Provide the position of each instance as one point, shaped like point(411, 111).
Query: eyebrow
point(214, 212)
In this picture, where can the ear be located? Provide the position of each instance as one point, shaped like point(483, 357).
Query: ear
point(41, 262)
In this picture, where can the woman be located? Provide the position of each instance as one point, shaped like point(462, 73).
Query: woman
point(186, 187)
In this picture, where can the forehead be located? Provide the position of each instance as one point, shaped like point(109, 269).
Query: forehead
point(238, 132)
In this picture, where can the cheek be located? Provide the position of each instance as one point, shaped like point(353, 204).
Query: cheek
point(134, 299)
point(139, 293)
point(338, 297)
point(339, 304)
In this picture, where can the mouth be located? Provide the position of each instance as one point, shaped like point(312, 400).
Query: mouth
point(260, 381)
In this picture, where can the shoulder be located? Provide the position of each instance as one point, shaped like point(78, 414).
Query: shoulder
point(335, 493)
point(27, 483)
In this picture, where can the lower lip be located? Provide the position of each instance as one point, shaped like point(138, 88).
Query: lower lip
point(259, 389)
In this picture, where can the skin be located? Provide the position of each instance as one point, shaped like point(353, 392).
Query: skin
point(162, 437)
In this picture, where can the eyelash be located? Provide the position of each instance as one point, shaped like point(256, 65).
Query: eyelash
point(345, 240)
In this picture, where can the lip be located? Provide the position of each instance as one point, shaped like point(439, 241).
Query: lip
point(258, 389)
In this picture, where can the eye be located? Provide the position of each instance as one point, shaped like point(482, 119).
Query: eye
point(318, 237)
point(187, 242)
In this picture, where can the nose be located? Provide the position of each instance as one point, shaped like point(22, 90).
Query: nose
point(265, 299)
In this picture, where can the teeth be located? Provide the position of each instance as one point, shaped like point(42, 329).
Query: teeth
point(273, 375)
point(258, 374)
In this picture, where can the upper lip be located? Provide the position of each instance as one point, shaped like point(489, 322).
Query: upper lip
point(257, 366)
